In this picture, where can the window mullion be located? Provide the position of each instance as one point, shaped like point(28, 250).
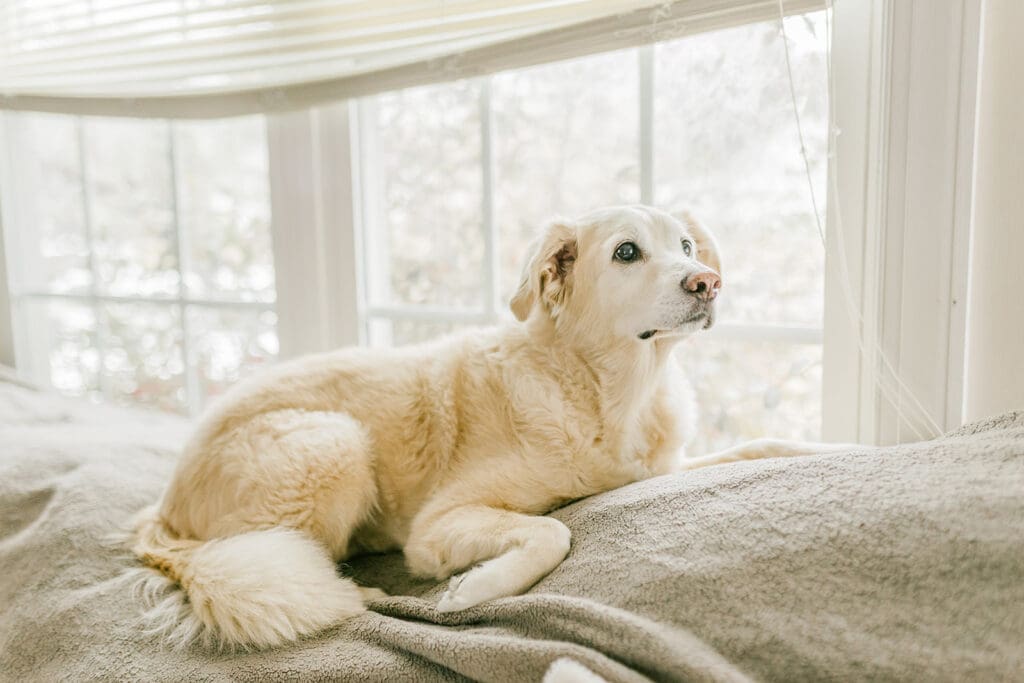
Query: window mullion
point(492, 266)
point(375, 250)
point(294, 227)
point(7, 304)
point(645, 62)
point(94, 273)
point(193, 399)
point(315, 237)
point(340, 213)
point(11, 342)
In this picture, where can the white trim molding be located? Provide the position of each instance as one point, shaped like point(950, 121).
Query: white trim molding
point(905, 78)
point(10, 339)
point(313, 190)
point(6, 319)
point(995, 369)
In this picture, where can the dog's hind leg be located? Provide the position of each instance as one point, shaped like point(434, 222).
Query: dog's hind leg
point(306, 470)
point(515, 550)
point(252, 532)
point(767, 448)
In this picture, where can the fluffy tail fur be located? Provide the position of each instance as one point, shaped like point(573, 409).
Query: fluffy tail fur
point(254, 590)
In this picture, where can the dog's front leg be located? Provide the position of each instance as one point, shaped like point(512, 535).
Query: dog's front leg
point(514, 551)
point(767, 448)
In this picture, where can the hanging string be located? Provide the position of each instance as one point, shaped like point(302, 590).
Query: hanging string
point(799, 125)
point(894, 397)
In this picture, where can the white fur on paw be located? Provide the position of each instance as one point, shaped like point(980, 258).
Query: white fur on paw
point(470, 589)
point(567, 670)
point(451, 601)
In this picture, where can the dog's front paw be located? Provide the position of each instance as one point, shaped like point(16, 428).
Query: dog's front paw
point(452, 601)
point(470, 589)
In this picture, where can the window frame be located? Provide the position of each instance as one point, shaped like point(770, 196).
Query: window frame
point(905, 253)
point(888, 244)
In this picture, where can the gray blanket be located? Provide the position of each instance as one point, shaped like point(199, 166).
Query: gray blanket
point(905, 563)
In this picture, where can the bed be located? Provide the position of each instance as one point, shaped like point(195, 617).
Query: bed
point(900, 563)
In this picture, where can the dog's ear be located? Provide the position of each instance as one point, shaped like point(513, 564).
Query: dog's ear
point(547, 275)
point(707, 248)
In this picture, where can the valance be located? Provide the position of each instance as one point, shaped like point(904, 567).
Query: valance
point(210, 58)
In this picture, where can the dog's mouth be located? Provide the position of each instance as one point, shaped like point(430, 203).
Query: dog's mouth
point(648, 334)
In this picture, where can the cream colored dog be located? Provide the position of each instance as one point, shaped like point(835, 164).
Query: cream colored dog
point(449, 450)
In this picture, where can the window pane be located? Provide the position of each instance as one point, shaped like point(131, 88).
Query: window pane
point(748, 390)
point(566, 142)
point(226, 344)
point(224, 209)
point(57, 343)
point(428, 238)
point(128, 180)
point(142, 358)
point(43, 207)
point(727, 147)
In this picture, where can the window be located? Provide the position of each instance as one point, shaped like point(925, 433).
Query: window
point(450, 182)
point(139, 254)
point(458, 177)
point(350, 267)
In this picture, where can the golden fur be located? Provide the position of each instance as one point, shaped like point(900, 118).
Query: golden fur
point(448, 450)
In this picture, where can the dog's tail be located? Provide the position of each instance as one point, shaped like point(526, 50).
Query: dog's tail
point(257, 589)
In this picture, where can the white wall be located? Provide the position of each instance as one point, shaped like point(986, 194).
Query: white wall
point(995, 341)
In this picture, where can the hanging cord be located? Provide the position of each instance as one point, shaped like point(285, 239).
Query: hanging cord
point(799, 125)
point(894, 397)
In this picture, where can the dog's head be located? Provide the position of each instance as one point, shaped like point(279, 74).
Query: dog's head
point(630, 272)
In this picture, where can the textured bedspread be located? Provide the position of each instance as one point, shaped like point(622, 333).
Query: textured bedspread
point(905, 563)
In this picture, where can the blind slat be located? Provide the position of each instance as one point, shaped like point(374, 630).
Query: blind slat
point(254, 60)
point(354, 49)
point(289, 36)
point(75, 42)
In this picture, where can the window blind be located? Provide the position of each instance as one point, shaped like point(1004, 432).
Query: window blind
point(210, 58)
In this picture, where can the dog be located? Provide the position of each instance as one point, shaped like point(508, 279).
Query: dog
point(451, 451)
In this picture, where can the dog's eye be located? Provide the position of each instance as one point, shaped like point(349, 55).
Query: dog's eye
point(627, 252)
point(688, 247)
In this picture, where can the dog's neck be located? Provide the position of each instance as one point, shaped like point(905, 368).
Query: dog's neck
point(626, 372)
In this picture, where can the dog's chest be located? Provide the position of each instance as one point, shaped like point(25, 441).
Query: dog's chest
point(612, 450)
